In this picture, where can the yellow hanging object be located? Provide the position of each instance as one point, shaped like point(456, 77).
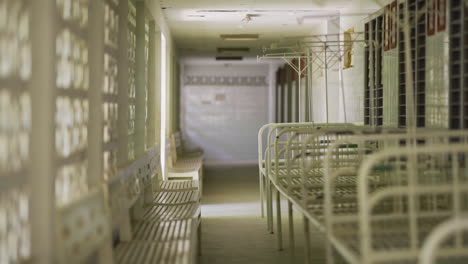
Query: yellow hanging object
point(348, 49)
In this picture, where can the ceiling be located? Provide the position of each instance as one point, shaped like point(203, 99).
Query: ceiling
point(196, 25)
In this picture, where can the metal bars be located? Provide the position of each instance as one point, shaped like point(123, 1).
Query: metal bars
point(309, 56)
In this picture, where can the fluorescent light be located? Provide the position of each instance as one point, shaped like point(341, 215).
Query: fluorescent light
point(233, 49)
point(242, 37)
point(230, 58)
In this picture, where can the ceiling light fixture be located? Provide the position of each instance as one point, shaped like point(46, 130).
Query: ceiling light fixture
point(233, 49)
point(240, 37)
point(229, 58)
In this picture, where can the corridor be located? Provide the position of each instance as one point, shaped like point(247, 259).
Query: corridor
point(146, 131)
point(233, 231)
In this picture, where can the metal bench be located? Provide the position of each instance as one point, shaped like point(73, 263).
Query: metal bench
point(169, 186)
point(155, 253)
point(156, 221)
point(175, 198)
point(183, 164)
point(161, 242)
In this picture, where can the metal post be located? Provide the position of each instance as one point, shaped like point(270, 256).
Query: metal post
point(300, 95)
point(308, 256)
point(270, 207)
point(326, 81)
point(343, 91)
point(279, 230)
point(261, 166)
point(262, 202)
point(310, 87)
point(292, 244)
point(293, 99)
point(329, 251)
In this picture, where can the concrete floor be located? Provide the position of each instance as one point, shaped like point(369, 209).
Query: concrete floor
point(232, 228)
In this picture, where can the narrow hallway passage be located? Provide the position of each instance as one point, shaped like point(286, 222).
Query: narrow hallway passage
point(232, 228)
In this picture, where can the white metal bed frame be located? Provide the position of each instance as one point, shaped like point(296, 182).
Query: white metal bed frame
point(269, 133)
point(431, 137)
point(452, 148)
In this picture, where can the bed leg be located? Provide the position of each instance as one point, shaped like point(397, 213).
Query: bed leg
point(279, 230)
point(307, 241)
point(292, 243)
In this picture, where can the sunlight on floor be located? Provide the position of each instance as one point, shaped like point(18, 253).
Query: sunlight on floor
point(231, 209)
point(233, 229)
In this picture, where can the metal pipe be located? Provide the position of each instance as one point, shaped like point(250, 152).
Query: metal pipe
point(308, 257)
point(261, 194)
point(292, 243)
point(343, 97)
point(270, 207)
point(310, 87)
point(326, 83)
point(300, 95)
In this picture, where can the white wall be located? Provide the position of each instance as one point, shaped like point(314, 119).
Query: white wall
point(224, 118)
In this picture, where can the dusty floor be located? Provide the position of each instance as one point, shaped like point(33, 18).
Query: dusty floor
point(233, 230)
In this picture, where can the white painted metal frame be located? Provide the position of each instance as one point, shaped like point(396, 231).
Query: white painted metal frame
point(182, 164)
point(343, 160)
point(268, 161)
point(429, 137)
point(402, 170)
point(321, 52)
